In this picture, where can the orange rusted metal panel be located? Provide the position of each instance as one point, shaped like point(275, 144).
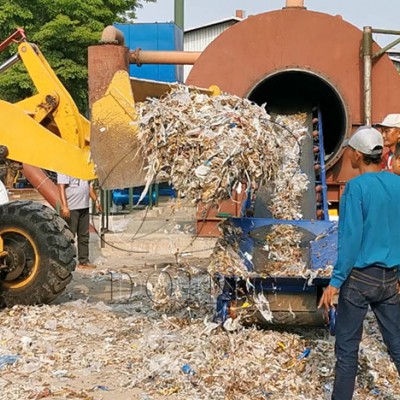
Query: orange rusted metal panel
point(209, 217)
point(297, 39)
point(103, 62)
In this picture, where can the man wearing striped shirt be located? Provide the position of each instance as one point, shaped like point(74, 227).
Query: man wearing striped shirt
point(390, 128)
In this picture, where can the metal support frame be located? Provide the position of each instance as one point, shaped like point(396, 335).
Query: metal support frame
point(130, 199)
point(368, 56)
point(105, 200)
point(179, 8)
point(367, 63)
point(390, 45)
point(17, 37)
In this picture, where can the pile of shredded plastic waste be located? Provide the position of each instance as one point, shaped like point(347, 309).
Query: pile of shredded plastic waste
point(98, 351)
point(207, 147)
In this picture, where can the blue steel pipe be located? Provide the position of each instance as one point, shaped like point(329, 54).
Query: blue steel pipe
point(120, 197)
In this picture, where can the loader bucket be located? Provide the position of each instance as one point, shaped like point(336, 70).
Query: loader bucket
point(115, 147)
point(113, 138)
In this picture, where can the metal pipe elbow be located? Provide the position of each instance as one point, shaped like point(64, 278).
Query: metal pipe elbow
point(112, 35)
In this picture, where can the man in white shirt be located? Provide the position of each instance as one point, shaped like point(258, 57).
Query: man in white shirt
point(75, 201)
point(3, 194)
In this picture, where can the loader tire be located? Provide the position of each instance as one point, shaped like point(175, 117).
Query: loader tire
point(40, 254)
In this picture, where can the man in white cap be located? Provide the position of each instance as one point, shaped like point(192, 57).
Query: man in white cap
point(367, 266)
point(390, 128)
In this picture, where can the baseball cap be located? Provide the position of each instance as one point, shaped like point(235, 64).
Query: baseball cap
point(366, 140)
point(391, 121)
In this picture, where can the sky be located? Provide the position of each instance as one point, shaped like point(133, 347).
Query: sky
point(384, 14)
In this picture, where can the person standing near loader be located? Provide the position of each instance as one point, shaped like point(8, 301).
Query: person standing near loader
point(75, 197)
point(367, 268)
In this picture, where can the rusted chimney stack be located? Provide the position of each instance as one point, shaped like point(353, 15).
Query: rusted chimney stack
point(294, 3)
point(240, 14)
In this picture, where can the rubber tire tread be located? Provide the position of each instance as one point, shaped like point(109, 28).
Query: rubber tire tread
point(57, 254)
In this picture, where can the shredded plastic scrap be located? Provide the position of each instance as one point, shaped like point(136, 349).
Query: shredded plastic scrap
point(208, 146)
point(280, 248)
point(103, 350)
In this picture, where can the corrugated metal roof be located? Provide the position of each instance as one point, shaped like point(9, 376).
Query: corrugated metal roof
point(222, 21)
point(198, 40)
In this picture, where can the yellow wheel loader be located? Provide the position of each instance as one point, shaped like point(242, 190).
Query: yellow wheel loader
point(37, 254)
point(46, 131)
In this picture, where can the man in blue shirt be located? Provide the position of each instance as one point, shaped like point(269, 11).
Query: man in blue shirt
point(366, 271)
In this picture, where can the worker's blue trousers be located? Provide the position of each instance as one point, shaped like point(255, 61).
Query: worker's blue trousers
point(375, 287)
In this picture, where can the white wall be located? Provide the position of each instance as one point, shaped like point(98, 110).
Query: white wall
point(199, 39)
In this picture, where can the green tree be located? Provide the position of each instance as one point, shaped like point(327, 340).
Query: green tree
point(63, 29)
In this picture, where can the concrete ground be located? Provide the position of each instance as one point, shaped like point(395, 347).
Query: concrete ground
point(165, 233)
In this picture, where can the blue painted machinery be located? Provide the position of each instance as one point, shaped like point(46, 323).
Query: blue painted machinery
point(288, 300)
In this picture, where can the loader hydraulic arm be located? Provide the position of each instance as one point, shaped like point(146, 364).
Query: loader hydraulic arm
point(46, 130)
